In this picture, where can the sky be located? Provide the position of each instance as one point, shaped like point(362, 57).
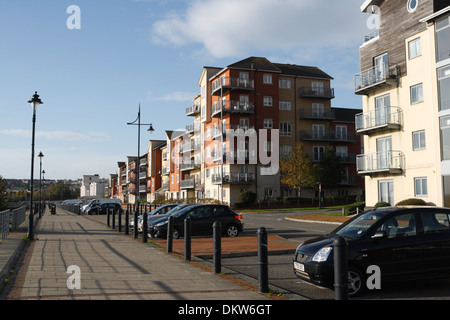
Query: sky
point(93, 65)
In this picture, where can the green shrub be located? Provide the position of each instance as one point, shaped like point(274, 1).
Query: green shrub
point(246, 199)
point(412, 202)
point(382, 204)
point(351, 208)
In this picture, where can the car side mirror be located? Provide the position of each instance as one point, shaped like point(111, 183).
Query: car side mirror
point(380, 235)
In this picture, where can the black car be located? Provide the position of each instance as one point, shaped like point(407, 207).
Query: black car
point(102, 208)
point(403, 242)
point(202, 217)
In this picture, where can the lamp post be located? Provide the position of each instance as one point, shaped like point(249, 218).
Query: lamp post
point(138, 123)
point(40, 183)
point(35, 102)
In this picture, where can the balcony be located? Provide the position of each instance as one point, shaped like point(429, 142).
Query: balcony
point(380, 162)
point(187, 184)
point(375, 78)
point(314, 114)
point(192, 110)
point(330, 136)
point(233, 178)
point(316, 93)
point(189, 165)
point(217, 133)
point(226, 83)
point(190, 128)
point(232, 107)
point(386, 118)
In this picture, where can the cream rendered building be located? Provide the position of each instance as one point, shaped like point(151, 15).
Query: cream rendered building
point(400, 119)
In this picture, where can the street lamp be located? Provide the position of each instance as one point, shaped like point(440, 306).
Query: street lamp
point(35, 102)
point(138, 123)
point(40, 183)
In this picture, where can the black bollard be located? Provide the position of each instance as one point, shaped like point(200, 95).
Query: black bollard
point(119, 224)
point(169, 234)
point(340, 269)
point(144, 226)
point(108, 222)
point(127, 221)
point(263, 262)
point(135, 227)
point(187, 239)
point(113, 218)
point(217, 251)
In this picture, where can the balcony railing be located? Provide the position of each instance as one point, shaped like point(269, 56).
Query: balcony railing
point(330, 135)
point(388, 161)
point(232, 107)
point(310, 113)
point(192, 110)
point(233, 178)
point(376, 77)
point(318, 93)
point(227, 83)
point(187, 184)
point(379, 119)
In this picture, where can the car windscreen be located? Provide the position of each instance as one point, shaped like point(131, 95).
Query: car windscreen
point(358, 227)
point(181, 212)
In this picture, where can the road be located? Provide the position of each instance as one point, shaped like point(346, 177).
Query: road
point(280, 266)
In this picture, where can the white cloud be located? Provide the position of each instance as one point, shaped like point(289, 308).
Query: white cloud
point(239, 27)
point(58, 135)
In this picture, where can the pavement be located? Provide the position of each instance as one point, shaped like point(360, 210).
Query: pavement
point(114, 266)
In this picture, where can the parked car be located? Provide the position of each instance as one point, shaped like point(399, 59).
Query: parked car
point(158, 211)
point(404, 242)
point(102, 208)
point(173, 210)
point(203, 217)
point(94, 202)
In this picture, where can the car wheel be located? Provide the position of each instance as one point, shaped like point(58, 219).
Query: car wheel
point(232, 231)
point(355, 281)
point(176, 233)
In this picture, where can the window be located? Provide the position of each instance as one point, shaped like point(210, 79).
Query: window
point(284, 83)
point(285, 105)
point(386, 191)
point(435, 222)
point(415, 49)
point(286, 150)
point(318, 131)
point(268, 123)
point(445, 138)
point(412, 5)
point(285, 129)
point(420, 187)
point(419, 140)
point(268, 101)
point(444, 88)
point(267, 79)
point(318, 153)
point(341, 133)
point(318, 110)
point(443, 38)
point(400, 226)
point(416, 94)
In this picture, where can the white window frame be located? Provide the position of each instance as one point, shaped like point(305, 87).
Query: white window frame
point(414, 48)
point(268, 101)
point(285, 129)
point(421, 187)
point(419, 140)
point(417, 96)
point(268, 123)
point(267, 78)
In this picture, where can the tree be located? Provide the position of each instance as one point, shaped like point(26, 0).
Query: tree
point(298, 170)
point(3, 204)
point(330, 170)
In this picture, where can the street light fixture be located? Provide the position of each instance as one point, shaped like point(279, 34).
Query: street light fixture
point(40, 183)
point(35, 102)
point(138, 123)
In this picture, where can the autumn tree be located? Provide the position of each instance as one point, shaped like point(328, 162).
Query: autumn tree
point(298, 170)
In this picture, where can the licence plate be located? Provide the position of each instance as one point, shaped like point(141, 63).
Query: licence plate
point(299, 266)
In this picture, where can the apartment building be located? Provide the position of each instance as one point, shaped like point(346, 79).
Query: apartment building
point(404, 85)
point(245, 117)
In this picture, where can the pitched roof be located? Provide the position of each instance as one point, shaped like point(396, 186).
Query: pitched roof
point(256, 63)
point(302, 71)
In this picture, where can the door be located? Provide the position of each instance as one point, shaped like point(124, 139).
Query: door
point(397, 253)
point(201, 220)
point(381, 63)
point(317, 88)
point(382, 110)
point(384, 148)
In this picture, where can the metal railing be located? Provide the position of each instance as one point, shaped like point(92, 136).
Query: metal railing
point(380, 162)
point(4, 224)
point(380, 117)
point(375, 75)
point(10, 221)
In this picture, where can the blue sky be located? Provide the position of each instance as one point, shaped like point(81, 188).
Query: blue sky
point(147, 52)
